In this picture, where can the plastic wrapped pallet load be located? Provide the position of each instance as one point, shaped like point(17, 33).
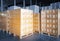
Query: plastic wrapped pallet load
point(47, 7)
point(3, 21)
point(48, 20)
point(36, 19)
point(58, 22)
point(35, 8)
point(36, 23)
point(36, 15)
point(54, 22)
point(51, 22)
point(20, 22)
point(43, 21)
point(43, 8)
point(55, 5)
point(13, 7)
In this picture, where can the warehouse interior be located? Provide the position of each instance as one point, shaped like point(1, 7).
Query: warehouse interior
point(29, 20)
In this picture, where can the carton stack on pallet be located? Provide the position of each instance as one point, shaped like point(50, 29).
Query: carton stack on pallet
point(55, 19)
point(36, 18)
point(19, 22)
point(50, 20)
point(58, 32)
point(3, 21)
point(43, 20)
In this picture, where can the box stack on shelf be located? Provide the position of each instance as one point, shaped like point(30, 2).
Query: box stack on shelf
point(36, 18)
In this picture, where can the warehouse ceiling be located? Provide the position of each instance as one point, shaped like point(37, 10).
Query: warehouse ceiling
point(27, 2)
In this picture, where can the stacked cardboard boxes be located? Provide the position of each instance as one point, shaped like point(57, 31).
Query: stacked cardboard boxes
point(58, 22)
point(50, 22)
point(20, 22)
point(36, 23)
point(43, 21)
point(3, 21)
point(36, 18)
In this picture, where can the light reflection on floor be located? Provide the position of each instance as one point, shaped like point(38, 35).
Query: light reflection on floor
point(36, 37)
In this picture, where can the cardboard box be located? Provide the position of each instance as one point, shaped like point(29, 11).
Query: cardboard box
point(43, 21)
point(20, 22)
point(36, 22)
point(50, 22)
point(58, 21)
point(3, 21)
point(35, 8)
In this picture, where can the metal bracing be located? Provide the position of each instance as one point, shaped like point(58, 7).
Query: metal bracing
point(30, 2)
point(14, 2)
point(1, 5)
point(23, 3)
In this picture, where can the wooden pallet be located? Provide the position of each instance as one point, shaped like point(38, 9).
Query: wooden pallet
point(26, 35)
point(21, 37)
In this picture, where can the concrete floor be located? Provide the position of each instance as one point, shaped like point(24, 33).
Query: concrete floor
point(36, 37)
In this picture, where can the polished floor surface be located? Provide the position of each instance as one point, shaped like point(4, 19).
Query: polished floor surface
point(36, 37)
